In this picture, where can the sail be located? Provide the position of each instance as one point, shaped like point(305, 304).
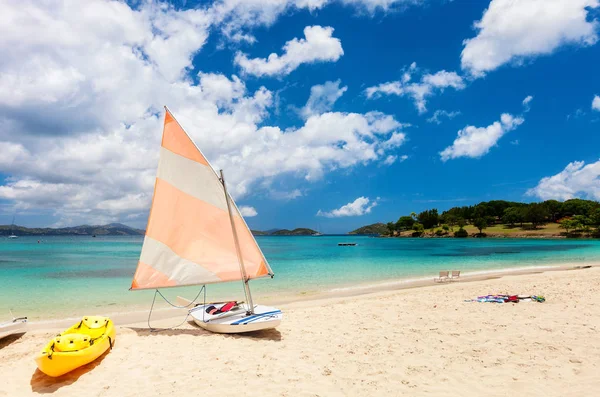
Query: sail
point(189, 239)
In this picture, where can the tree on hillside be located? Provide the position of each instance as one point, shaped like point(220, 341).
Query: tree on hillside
point(448, 219)
point(513, 215)
point(480, 223)
point(569, 225)
point(405, 223)
point(481, 211)
point(429, 218)
point(536, 214)
point(413, 215)
point(595, 217)
point(418, 228)
point(554, 208)
point(391, 227)
point(461, 223)
point(578, 207)
point(496, 208)
point(595, 220)
point(584, 221)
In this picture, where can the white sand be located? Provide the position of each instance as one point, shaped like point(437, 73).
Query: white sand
point(421, 341)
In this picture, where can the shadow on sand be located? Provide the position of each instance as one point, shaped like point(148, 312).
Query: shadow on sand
point(10, 339)
point(42, 383)
point(267, 334)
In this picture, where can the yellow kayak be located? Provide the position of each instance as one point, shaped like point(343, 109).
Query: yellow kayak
point(81, 344)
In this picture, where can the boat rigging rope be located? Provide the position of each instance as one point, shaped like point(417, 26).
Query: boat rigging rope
point(175, 306)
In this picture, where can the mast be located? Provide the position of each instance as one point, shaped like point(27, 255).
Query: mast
point(238, 251)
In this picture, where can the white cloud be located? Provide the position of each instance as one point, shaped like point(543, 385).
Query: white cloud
point(285, 195)
point(247, 211)
point(322, 98)
point(526, 103)
point(391, 159)
point(596, 103)
point(439, 114)
point(358, 207)
point(429, 84)
point(371, 6)
point(475, 142)
point(512, 31)
point(235, 18)
point(443, 79)
point(576, 180)
point(318, 46)
point(221, 90)
point(80, 130)
point(577, 113)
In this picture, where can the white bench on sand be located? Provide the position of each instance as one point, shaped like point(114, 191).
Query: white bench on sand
point(455, 275)
point(443, 277)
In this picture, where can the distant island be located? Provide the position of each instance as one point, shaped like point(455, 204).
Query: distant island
point(375, 228)
point(574, 218)
point(112, 229)
point(301, 231)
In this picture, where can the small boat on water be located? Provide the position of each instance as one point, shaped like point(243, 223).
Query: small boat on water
point(12, 226)
point(17, 325)
point(346, 244)
point(196, 235)
point(79, 345)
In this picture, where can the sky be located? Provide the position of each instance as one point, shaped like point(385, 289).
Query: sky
point(327, 114)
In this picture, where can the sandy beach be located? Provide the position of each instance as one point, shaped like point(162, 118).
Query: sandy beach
point(418, 341)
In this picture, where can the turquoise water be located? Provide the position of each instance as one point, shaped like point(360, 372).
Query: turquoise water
point(68, 276)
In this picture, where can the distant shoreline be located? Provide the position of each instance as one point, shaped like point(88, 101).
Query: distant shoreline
point(407, 237)
point(500, 236)
point(112, 229)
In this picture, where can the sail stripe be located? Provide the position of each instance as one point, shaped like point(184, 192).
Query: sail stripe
point(177, 141)
point(186, 175)
point(194, 230)
point(147, 276)
point(181, 271)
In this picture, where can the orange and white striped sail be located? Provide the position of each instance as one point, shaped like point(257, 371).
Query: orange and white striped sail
point(189, 239)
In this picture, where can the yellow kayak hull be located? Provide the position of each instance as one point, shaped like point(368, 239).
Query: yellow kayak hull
point(79, 345)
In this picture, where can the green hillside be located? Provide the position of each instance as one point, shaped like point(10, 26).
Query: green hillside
point(301, 231)
point(375, 228)
point(113, 229)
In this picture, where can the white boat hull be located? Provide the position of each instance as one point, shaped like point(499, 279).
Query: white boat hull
point(13, 327)
point(236, 320)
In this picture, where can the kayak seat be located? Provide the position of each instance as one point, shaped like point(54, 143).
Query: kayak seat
point(71, 342)
point(94, 326)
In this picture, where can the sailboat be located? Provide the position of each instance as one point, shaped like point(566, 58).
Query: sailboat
point(196, 235)
point(11, 228)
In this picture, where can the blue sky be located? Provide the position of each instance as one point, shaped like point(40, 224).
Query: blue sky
point(93, 161)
